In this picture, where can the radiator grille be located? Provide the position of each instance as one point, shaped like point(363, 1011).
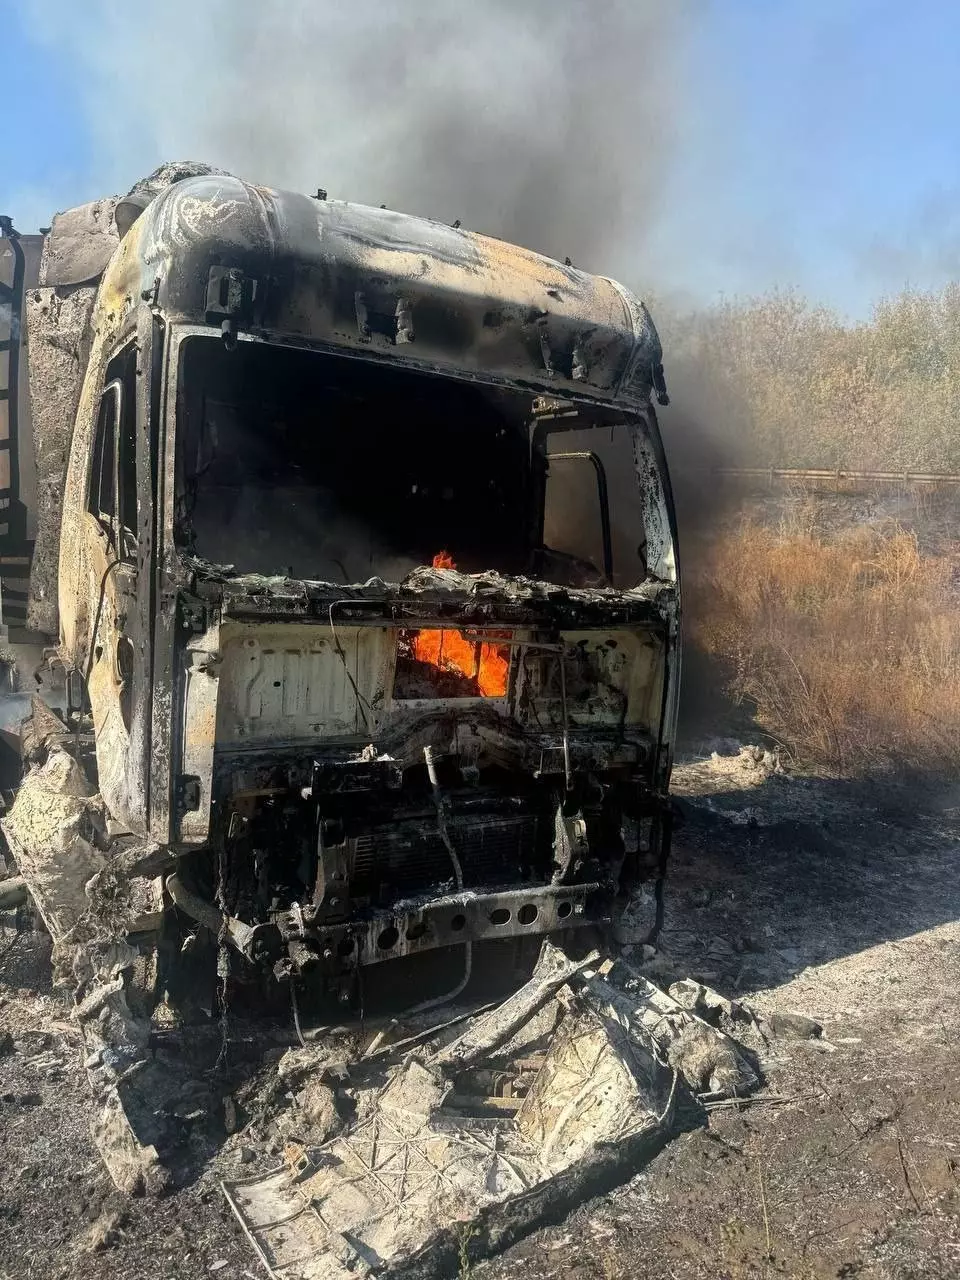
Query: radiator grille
point(395, 861)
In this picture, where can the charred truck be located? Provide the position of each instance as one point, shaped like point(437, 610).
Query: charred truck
point(352, 535)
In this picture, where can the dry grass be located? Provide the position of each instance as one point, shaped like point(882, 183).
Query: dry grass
point(848, 646)
point(778, 381)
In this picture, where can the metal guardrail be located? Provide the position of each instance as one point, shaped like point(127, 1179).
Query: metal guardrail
point(837, 475)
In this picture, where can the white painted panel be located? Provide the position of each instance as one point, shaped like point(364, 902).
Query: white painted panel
point(294, 682)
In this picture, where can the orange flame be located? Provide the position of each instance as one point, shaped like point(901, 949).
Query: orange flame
point(449, 650)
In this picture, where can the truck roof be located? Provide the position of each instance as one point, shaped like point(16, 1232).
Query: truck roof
point(385, 285)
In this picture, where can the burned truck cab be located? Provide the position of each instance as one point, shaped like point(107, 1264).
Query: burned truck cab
point(368, 578)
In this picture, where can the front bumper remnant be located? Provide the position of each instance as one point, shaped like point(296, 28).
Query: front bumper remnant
point(457, 1148)
point(423, 925)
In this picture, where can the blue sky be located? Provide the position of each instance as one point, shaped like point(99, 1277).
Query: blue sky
point(816, 142)
point(842, 174)
point(46, 144)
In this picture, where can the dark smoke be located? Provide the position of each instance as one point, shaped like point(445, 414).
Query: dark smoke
point(704, 431)
point(552, 124)
point(546, 124)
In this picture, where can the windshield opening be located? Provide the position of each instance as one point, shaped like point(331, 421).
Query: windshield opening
point(594, 525)
point(292, 462)
point(321, 467)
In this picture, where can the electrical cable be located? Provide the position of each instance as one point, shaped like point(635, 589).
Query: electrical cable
point(435, 1001)
point(96, 621)
point(296, 1015)
point(362, 702)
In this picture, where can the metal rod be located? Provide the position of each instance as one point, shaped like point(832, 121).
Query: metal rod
point(211, 917)
point(835, 474)
point(567, 770)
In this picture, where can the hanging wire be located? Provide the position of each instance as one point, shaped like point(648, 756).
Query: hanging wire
point(296, 1015)
point(223, 952)
point(363, 704)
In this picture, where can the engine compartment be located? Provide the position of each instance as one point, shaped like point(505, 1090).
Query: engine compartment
point(352, 861)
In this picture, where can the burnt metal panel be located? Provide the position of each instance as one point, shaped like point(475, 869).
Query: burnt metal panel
point(57, 324)
point(80, 243)
point(433, 296)
point(130, 206)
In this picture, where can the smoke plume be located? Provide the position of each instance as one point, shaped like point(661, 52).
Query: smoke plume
point(554, 124)
point(551, 123)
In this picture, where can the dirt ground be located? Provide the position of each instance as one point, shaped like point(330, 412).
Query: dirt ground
point(835, 900)
point(842, 903)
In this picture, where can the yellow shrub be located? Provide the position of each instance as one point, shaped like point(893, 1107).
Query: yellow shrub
point(849, 648)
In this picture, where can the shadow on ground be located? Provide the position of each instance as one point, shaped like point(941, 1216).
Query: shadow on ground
point(750, 906)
